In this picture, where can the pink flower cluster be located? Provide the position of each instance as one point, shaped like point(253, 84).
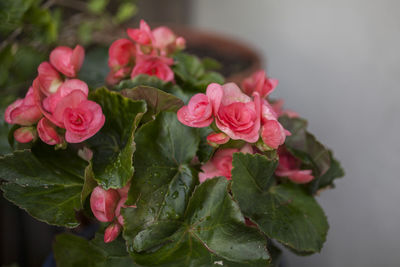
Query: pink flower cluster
point(148, 52)
point(239, 116)
point(242, 115)
point(106, 207)
point(56, 107)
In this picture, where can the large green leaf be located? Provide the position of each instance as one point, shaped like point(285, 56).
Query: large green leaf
point(113, 145)
point(74, 251)
point(283, 212)
point(211, 232)
point(44, 182)
point(312, 153)
point(156, 100)
point(191, 73)
point(155, 82)
point(163, 179)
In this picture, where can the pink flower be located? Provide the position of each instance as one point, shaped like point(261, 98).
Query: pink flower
point(25, 134)
point(154, 66)
point(112, 232)
point(272, 132)
point(67, 61)
point(215, 139)
point(198, 113)
point(121, 58)
point(103, 203)
point(48, 132)
point(50, 103)
point(80, 117)
point(259, 82)
point(143, 35)
point(278, 108)
point(236, 114)
point(121, 53)
point(221, 163)
point(289, 167)
point(166, 41)
point(49, 78)
point(23, 111)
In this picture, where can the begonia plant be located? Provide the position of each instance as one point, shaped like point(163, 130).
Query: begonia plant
point(176, 166)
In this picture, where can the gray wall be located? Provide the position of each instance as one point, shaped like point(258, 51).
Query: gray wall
point(338, 63)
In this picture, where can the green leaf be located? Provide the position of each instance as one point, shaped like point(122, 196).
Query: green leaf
point(44, 182)
point(211, 64)
point(11, 14)
point(212, 231)
point(312, 153)
point(283, 212)
point(113, 145)
point(163, 179)
point(97, 6)
point(153, 81)
point(72, 251)
point(156, 100)
point(125, 12)
point(191, 74)
point(205, 151)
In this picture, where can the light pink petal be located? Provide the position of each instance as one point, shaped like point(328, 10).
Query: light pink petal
point(72, 100)
point(77, 58)
point(49, 78)
point(232, 94)
point(215, 94)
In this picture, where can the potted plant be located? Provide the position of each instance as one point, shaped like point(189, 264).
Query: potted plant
point(177, 167)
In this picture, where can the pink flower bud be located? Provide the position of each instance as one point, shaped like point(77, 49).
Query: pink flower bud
point(68, 61)
point(259, 82)
point(215, 139)
point(198, 113)
point(112, 232)
point(103, 203)
point(49, 78)
point(25, 134)
point(180, 43)
point(23, 111)
point(48, 133)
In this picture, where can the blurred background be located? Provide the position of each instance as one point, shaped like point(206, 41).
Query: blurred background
point(338, 63)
